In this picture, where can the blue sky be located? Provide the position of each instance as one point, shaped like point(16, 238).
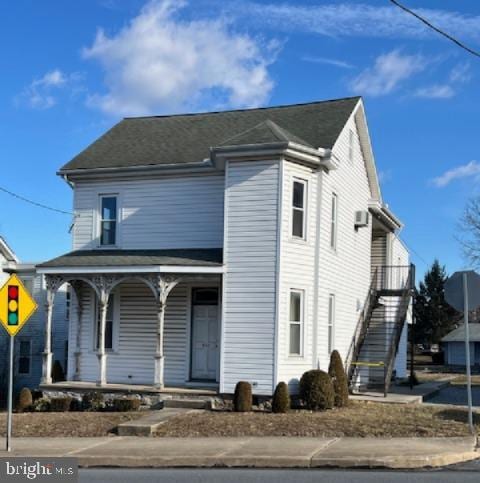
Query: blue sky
point(73, 69)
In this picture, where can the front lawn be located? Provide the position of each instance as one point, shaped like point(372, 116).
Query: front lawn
point(73, 424)
point(359, 419)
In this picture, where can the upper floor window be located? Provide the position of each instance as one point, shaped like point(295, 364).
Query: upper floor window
point(296, 322)
point(351, 145)
point(333, 221)
point(108, 220)
point(299, 208)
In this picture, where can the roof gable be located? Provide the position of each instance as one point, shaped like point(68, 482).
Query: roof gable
point(184, 139)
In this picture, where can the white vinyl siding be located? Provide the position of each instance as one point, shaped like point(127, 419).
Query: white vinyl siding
point(155, 213)
point(296, 322)
point(250, 255)
point(299, 208)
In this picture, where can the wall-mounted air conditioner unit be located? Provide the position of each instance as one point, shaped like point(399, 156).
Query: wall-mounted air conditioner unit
point(361, 218)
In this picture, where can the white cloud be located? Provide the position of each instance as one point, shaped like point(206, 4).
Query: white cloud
point(42, 92)
point(460, 73)
point(325, 60)
point(465, 171)
point(159, 62)
point(354, 20)
point(436, 91)
point(388, 71)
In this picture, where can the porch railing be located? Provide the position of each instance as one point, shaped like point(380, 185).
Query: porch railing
point(393, 277)
point(362, 325)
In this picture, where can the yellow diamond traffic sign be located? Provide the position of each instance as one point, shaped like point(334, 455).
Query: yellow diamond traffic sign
point(16, 305)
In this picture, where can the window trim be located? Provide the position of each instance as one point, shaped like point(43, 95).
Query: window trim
point(100, 220)
point(331, 308)
point(303, 210)
point(115, 323)
point(30, 356)
point(334, 221)
point(301, 323)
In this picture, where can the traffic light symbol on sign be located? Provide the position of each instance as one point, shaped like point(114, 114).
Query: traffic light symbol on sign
point(13, 305)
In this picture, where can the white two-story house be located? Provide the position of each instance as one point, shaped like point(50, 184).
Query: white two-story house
point(241, 245)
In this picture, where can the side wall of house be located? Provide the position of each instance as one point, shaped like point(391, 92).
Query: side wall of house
point(297, 272)
point(345, 271)
point(250, 255)
point(167, 212)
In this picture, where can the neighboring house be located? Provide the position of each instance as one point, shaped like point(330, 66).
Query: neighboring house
point(454, 345)
point(239, 245)
point(29, 342)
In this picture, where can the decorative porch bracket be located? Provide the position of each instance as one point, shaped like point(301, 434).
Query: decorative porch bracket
point(163, 284)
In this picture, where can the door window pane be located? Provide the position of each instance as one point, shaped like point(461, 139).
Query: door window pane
point(296, 322)
point(108, 324)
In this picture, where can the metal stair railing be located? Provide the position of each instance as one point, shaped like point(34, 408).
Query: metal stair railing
point(361, 328)
point(403, 305)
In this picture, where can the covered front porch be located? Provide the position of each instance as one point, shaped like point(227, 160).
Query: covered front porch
point(143, 319)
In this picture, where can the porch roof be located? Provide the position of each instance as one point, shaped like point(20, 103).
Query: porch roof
point(112, 260)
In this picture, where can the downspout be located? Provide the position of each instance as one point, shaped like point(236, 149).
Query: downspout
point(315, 360)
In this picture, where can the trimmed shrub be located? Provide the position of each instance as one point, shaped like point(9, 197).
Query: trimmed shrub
point(281, 399)
point(41, 405)
point(57, 372)
point(126, 404)
point(339, 379)
point(60, 404)
point(93, 401)
point(25, 400)
point(242, 398)
point(37, 394)
point(316, 390)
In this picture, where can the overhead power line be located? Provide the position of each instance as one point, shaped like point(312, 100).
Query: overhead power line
point(437, 29)
point(35, 203)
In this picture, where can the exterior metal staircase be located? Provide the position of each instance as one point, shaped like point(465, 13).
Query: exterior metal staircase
point(371, 356)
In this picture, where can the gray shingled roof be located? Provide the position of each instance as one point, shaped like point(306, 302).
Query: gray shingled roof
point(458, 334)
point(188, 138)
point(123, 258)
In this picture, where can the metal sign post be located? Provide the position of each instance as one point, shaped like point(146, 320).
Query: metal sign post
point(16, 307)
point(462, 292)
point(467, 353)
point(10, 396)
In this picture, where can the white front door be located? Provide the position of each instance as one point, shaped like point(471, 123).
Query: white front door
point(205, 342)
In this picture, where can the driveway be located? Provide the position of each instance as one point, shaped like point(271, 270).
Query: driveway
point(456, 395)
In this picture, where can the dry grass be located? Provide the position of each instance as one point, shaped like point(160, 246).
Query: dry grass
point(452, 377)
point(359, 419)
point(81, 424)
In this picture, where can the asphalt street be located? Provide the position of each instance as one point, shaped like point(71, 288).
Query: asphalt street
point(463, 473)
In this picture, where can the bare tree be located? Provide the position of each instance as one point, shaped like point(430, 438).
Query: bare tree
point(470, 231)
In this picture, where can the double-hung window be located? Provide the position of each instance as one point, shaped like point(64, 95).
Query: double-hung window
point(351, 145)
point(333, 221)
point(109, 324)
point(24, 356)
point(108, 220)
point(296, 322)
point(331, 323)
point(299, 208)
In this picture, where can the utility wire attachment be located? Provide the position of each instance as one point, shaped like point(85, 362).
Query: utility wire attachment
point(437, 29)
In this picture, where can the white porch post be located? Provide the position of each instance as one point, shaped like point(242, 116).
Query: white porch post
point(101, 354)
point(164, 285)
point(77, 288)
point(52, 283)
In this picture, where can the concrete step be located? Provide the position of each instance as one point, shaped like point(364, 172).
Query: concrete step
point(183, 403)
point(147, 425)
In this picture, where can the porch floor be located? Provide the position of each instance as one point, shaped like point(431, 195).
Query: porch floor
point(82, 386)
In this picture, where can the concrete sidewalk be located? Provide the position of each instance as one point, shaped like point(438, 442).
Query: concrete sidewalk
point(267, 452)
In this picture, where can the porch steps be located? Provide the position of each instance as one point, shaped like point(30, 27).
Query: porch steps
point(184, 403)
point(148, 424)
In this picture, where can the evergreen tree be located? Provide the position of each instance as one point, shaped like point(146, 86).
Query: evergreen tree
point(434, 317)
